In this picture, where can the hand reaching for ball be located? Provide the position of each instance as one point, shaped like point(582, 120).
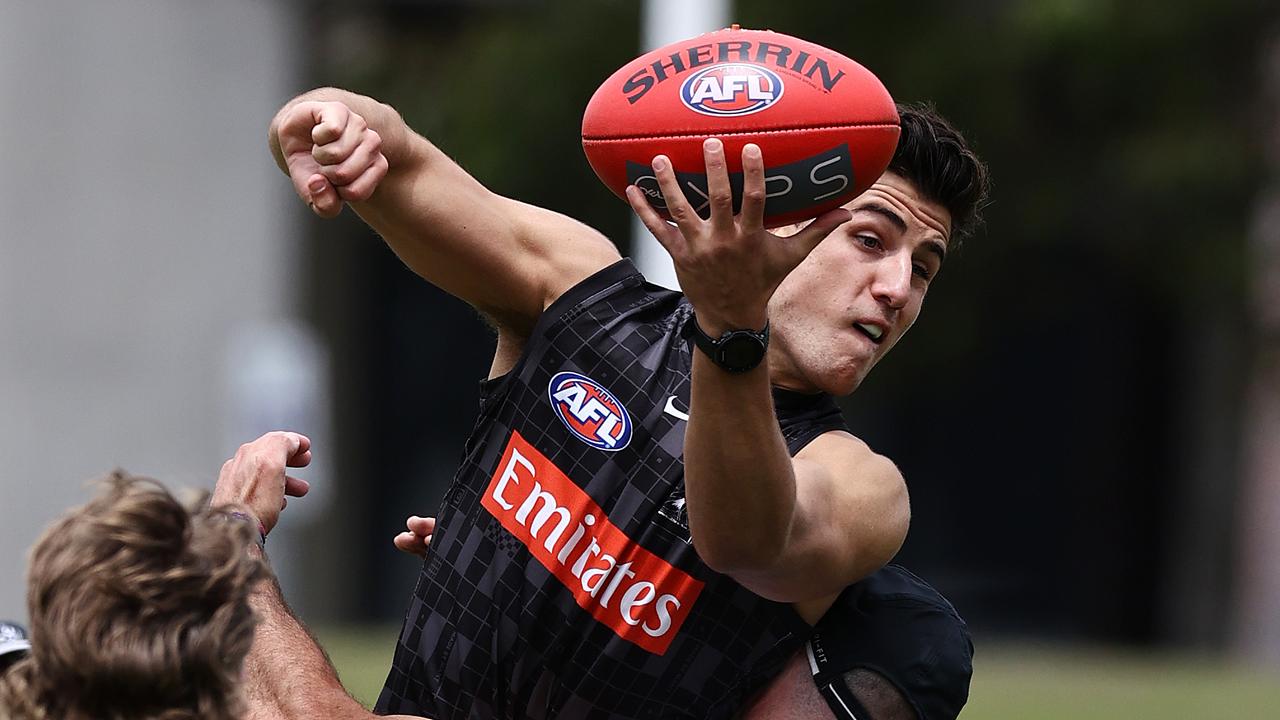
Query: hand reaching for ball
point(728, 265)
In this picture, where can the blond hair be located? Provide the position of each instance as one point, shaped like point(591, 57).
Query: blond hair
point(138, 609)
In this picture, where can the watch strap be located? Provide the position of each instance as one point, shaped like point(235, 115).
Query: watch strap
point(714, 347)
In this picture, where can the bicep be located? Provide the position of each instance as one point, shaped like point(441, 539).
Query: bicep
point(851, 517)
point(506, 258)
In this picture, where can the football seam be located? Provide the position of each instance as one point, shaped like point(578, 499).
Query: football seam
point(774, 131)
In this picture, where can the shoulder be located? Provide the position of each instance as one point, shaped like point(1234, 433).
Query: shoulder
point(606, 297)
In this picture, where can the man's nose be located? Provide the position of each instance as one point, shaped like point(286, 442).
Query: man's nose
point(893, 280)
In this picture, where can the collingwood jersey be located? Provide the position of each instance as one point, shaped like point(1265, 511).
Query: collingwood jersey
point(562, 581)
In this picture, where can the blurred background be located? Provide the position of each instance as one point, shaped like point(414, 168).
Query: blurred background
point(1088, 412)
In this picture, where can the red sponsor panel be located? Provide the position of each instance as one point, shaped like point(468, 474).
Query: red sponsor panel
point(638, 595)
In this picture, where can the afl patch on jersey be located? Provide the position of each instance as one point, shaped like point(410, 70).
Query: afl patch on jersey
point(590, 411)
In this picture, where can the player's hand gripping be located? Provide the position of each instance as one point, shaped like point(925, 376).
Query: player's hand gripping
point(330, 153)
point(256, 477)
point(728, 265)
point(416, 539)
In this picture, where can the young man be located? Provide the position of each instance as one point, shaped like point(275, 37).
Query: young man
point(641, 526)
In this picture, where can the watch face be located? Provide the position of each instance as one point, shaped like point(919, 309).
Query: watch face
point(743, 350)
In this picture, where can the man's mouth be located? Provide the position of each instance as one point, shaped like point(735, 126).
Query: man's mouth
point(874, 332)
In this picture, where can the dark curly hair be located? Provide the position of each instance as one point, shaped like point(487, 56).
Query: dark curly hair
point(934, 156)
point(139, 609)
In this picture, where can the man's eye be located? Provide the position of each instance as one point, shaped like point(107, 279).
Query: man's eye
point(922, 271)
point(870, 242)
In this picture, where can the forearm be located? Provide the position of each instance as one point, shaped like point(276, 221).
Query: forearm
point(505, 258)
point(407, 207)
point(739, 481)
point(287, 674)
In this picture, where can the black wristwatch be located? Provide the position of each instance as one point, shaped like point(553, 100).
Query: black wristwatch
point(736, 350)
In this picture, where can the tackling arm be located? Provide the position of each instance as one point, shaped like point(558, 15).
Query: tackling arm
point(287, 674)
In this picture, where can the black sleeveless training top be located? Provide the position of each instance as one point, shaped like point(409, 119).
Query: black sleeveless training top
point(562, 581)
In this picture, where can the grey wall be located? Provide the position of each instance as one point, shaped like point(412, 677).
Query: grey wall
point(143, 233)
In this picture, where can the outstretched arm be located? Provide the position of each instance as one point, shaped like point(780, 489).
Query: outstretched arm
point(508, 259)
point(796, 530)
point(287, 675)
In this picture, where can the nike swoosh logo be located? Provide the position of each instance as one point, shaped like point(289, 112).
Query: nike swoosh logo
point(671, 410)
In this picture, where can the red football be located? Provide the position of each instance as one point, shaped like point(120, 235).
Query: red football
point(826, 126)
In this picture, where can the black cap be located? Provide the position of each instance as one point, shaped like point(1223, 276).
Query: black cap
point(896, 625)
point(13, 643)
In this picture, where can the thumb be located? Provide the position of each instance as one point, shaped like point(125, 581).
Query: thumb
point(321, 196)
point(289, 137)
point(822, 226)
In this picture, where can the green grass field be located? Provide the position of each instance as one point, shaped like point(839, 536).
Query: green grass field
point(1010, 682)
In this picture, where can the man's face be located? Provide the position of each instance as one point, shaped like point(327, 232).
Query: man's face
point(859, 291)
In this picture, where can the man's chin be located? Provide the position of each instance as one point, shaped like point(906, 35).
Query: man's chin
point(838, 377)
point(845, 389)
point(843, 382)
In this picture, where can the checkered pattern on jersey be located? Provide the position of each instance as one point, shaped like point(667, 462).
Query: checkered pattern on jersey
point(491, 633)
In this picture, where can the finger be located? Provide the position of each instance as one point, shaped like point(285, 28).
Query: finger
point(277, 441)
point(334, 145)
point(321, 196)
point(420, 525)
point(409, 543)
point(297, 487)
point(719, 192)
point(677, 205)
point(303, 170)
point(751, 216)
point(667, 236)
point(361, 158)
point(817, 231)
point(298, 449)
point(362, 188)
point(276, 450)
point(329, 121)
point(300, 459)
point(298, 124)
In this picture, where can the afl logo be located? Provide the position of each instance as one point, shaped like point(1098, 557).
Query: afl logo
point(590, 411)
point(731, 89)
